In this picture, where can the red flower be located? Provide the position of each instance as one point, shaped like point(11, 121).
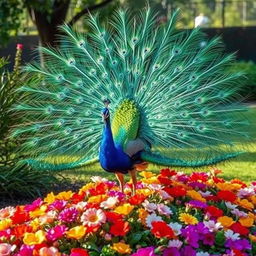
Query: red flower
point(136, 199)
point(226, 195)
point(78, 197)
point(218, 180)
point(212, 198)
point(113, 217)
point(20, 230)
point(238, 253)
point(238, 228)
point(119, 228)
point(167, 172)
point(176, 191)
point(100, 189)
point(164, 180)
point(214, 211)
point(20, 216)
point(79, 252)
point(161, 229)
point(19, 46)
point(199, 176)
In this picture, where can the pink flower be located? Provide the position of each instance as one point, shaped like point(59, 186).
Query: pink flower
point(164, 209)
point(26, 250)
point(93, 217)
point(56, 232)
point(19, 46)
point(68, 215)
point(51, 251)
point(58, 205)
point(148, 251)
point(36, 204)
point(5, 249)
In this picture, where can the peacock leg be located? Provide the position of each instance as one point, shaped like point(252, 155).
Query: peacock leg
point(120, 178)
point(133, 174)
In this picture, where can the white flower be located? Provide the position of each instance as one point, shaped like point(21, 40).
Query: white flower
point(229, 234)
point(155, 187)
point(150, 207)
point(110, 203)
point(175, 243)
point(93, 217)
point(239, 213)
point(212, 225)
point(244, 192)
point(97, 179)
point(164, 209)
point(7, 212)
point(230, 206)
point(202, 254)
point(205, 194)
point(176, 227)
point(151, 218)
point(164, 195)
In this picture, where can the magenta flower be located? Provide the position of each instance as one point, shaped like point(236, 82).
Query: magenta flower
point(68, 215)
point(171, 252)
point(147, 251)
point(31, 207)
point(188, 250)
point(196, 204)
point(209, 239)
point(26, 250)
point(57, 205)
point(56, 232)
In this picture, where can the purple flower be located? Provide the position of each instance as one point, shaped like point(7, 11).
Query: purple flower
point(196, 204)
point(188, 250)
point(68, 215)
point(118, 194)
point(147, 251)
point(56, 232)
point(191, 235)
point(197, 185)
point(171, 252)
point(57, 205)
point(241, 244)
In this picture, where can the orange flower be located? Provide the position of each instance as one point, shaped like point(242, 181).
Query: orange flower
point(34, 238)
point(122, 248)
point(77, 232)
point(252, 238)
point(246, 222)
point(143, 215)
point(124, 209)
point(195, 195)
point(226, 186)
point(245, 204)
point(225, 221)
point(253, 199)
point(97, 199)
point(146, 175)
point(188, 219)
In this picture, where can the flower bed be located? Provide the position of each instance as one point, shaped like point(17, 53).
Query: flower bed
point(172, 214)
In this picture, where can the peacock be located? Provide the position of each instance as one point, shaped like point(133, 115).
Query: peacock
point(131, 91)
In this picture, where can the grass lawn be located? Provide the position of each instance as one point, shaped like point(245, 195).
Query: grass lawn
point(242, 167)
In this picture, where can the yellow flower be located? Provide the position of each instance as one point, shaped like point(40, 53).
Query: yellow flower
point(146, 175)
point(65, 195)
point(188, 219)
point(77, 232)
point(246, 222)
point(245, 204)
point(253, 199)
point(97, 199)
point(35, 224)
point(34, 238)
point(122, 248)
point(145, 192)
point(5, 223)
point(225, 221)
point(195, 195)
point(50, 198)
point(152, 180)
point(143, 215)
point(38, 212)
point(86, 187)
point(124, 209)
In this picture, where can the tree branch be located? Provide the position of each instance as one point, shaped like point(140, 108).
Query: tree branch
point(87, 10)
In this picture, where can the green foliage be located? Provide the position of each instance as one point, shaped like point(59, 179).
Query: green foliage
point(10, 19)
point(23, 181)
point(249, 85)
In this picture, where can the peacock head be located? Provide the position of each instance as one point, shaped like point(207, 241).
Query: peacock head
point(105, 113)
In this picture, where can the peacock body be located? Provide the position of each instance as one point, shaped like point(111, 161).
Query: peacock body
point(171, 98)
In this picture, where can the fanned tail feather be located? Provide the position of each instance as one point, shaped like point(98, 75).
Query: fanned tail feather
point(166, 161)
point(42, 165)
